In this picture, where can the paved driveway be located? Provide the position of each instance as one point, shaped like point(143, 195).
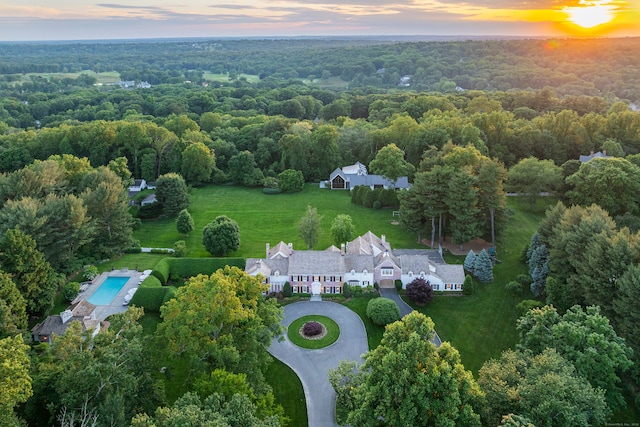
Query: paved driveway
point(312, 366)
point(405, 309)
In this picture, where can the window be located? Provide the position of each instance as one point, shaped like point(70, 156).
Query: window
point(447, 286)
point(411, 274)
point(435, 287)
point(387, 272)
point(294, 289)
point(353, 272)
point(305, 289)
point(365, 272)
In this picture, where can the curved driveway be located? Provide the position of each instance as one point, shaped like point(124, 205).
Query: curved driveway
point(312, 366)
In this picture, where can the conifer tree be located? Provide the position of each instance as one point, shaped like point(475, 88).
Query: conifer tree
point(483, 267)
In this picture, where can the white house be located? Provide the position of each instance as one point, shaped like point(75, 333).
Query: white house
point(366, 260)
point(138, 186)
point(349, 177)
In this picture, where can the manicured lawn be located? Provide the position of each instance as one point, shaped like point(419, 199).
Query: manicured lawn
point(103, 78)
point(333, 332)
point(143, 261)
point(251, 78)
point(482, 325)
point(270, 218)
point(374, 332)
point(288, 392)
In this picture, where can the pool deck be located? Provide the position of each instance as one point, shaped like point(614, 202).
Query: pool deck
point(104, 311)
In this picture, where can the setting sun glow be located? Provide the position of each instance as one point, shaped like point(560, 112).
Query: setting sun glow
point(590, 14)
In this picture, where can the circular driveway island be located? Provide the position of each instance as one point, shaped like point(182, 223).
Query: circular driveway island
point(312, 366)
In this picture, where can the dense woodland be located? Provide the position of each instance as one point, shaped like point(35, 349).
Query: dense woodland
point(474, 120)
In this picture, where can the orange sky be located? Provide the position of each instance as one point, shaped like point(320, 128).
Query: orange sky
point(88, 19)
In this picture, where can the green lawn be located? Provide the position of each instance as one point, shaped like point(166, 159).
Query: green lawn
point(482, 325)
point(288, 392)
point(101, 78)
point(269, 218)
point(374, 332)
point(332, 335)
point(251, 78)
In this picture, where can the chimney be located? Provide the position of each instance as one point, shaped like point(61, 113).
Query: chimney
point(384, 238)
point(604, 152)
point(591, 153)
point(290, 248)
point(342, 249)
point(268, 247)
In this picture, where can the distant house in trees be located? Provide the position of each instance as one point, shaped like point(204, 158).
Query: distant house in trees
point(598, 155)
point(138, 186)
point(150, 199)
point(366, 260)
point(348, 177)
point(83, 312)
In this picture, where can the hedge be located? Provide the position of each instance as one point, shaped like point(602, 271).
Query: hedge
point(188, 267)
point(169, 294)
point(150, 299)
point(162, 270)
point(151, 282)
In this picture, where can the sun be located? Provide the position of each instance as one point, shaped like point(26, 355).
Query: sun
point(590, 14)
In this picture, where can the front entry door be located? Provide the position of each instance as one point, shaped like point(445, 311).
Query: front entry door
point(315, 288)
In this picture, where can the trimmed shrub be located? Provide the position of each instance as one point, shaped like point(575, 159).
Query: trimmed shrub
point(468, 286)
point(311, 329)
point(419, 291)
point(149, 298)
point(291, 181)
point(70, 290)
point(286, 290)
point(179, 248)
point(377, 205)
point(347, 290)
point(189, 267)
point(383, 311)
point(369, 197)
point(514, 287)
point(170, 293)
point(151, 282)
point(398, 285)
point(162, 270)
point(389, 198)
point(361, 192)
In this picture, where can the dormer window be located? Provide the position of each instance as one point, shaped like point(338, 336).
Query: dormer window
point(411, 274)
point(277, 273)
point(353, 272)
point(365, 272)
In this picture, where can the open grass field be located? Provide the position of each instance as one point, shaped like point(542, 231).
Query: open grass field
point(270, 218)
point(102, 78)
point(288, 392)
point(251, 78)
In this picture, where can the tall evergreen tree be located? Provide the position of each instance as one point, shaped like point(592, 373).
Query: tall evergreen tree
point(171, 192)
point(463, 211)
point(184, 222)
point(33, 275)
point(470, 261)
point(483, 267)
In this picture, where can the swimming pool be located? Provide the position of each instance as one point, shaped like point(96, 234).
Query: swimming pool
point(108, 290)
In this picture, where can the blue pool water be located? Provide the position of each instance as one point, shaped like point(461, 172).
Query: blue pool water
point(108, 290)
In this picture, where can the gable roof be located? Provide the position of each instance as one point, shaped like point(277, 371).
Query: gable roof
point(598, 155)
point(281, 250)
point(82, 309)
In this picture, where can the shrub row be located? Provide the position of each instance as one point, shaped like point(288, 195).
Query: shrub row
point(152, 293)
point(187, 267)
point(152, 298)
point(378, 198)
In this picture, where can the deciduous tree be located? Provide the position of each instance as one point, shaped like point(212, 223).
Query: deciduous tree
point(198, 163)
point(15, 382)
point(390, 163)
point(583, 337)
point(309, 226)
point(342, 229)
point(408, 381)
point(221, 236)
